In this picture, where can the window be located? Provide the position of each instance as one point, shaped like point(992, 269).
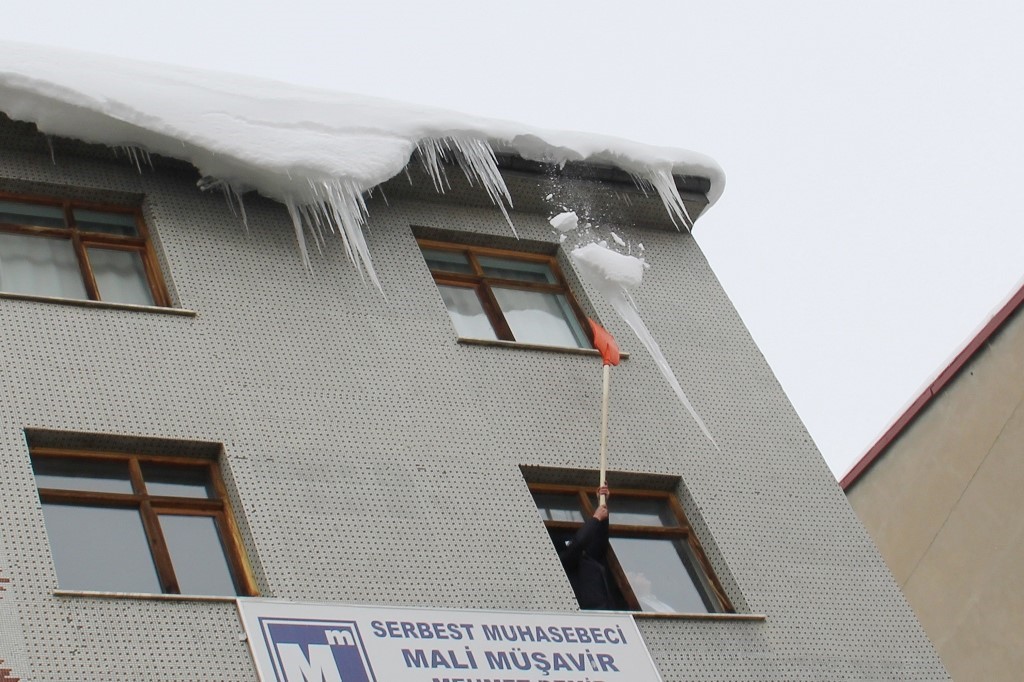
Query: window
point(655, 562)
point(138, 523)
point(70, 249)
point(499, 295)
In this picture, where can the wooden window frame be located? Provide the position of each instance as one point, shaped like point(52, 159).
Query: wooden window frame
point(483, 284)
point(81, 240)
point(682, 532)
point(151, 506)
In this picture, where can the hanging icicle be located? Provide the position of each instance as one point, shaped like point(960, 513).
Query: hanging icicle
point(475, 156)
point(663, 182)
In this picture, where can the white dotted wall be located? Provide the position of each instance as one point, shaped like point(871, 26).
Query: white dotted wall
point(372, 459)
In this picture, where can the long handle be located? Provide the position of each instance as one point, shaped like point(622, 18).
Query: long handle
point(604, 429)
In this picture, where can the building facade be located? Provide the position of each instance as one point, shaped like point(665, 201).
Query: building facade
point(244, 425)
point(939, 493)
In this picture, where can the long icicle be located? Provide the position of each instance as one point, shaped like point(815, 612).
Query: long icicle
point(338, 204)
point(663, 182)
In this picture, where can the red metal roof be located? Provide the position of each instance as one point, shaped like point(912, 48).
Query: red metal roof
point(908, 416)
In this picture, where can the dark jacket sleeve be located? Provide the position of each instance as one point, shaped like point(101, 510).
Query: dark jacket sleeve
point(591, 538)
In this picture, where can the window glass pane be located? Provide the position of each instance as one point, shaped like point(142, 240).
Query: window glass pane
point(100, 548)
point(172, 481)
point(506, 268)
point(65, 473)
point(555, 507)
point(40, 266)
point(663, 576)
point(108, 223)
point(447, 261)
point(467, 313)
point(197, 555)
point(120, 276)
point(38, 215)
point(539, 317)
point(639, 511)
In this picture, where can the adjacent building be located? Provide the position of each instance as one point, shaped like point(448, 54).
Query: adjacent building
point(190, 417)
point(940, 495)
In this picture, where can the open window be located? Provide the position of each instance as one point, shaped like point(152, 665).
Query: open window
point(654, 560)
point(501, 295)
point(122, 522)
point(71, 249)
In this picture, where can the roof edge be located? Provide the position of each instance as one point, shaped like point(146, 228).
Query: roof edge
point(990, 329)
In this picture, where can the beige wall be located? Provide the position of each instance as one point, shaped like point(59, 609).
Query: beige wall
point(945, 505)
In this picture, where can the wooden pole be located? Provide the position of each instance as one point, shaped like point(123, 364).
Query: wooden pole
point(604, 429)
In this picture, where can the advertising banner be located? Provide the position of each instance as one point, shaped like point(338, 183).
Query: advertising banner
point(299, 642)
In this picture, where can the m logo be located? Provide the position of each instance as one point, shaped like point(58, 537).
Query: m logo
point(304, 650)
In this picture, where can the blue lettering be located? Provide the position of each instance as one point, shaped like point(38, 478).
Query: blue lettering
point(498, 660)
point(319, 667)
point(415, 658)
point(607, 662)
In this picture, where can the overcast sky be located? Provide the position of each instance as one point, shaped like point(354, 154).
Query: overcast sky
point(871, 221)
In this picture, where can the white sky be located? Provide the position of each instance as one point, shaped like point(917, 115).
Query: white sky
point(871, 220)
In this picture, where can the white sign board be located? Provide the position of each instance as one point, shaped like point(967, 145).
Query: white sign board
point(296, 642)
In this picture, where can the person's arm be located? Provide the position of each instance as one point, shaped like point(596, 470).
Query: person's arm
point(570, 555)
point(597, 542)
point(592, 537)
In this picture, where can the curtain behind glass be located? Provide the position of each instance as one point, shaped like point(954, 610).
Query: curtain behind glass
point(467, 313)
point(40, 266)
point(120, 276)
point(537, 317)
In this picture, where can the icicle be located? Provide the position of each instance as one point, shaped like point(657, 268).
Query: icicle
point(231, 197)
point(664, 184)
point(241, 210)
point(475, 157)
point(641, 184)
point(226, 191)
point(136, 156)
point(53, 155)
point(432, 156)
point(337, 205)
point(626, 308)
point(311, 218)
point(611, 273)
point(293, 211)
point(340, 205)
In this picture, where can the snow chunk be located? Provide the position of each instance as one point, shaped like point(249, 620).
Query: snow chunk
point(601, 264)
point(565, 222)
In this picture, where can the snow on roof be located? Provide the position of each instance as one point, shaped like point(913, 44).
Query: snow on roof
point(316, 151)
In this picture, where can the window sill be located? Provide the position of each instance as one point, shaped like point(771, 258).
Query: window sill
point(644, 615)
point(534, 346)
point(85, 303)
point(87, 594)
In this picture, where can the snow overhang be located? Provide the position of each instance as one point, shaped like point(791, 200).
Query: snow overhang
point(316, 151)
